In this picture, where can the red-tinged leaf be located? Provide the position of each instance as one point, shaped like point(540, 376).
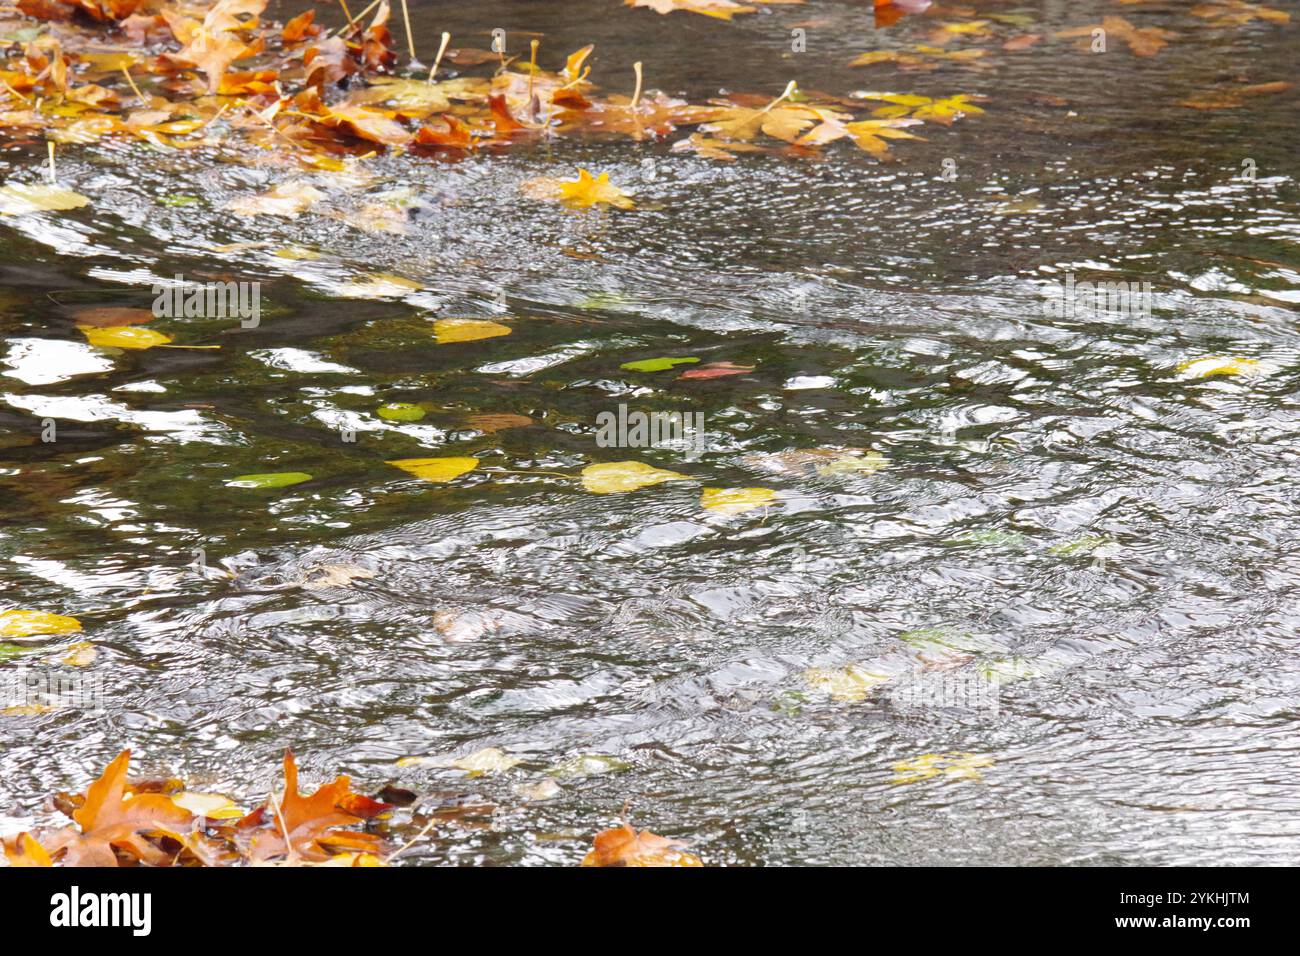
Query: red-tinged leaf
point(716, 370)
point(624, 846)
point(456, 135)
point(889, 12)
point(502, 118)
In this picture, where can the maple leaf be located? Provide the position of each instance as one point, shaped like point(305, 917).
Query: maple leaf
point(1142, 41)
point(24, 850)
point(928, 58)
point(581, 193)
point(300, 27)
point(107, 823)
point(780, 120)
point(714, 148)
point(328, 62)
point(624, 846)
point(456, 135)
point(923, 108)
point(310, 823)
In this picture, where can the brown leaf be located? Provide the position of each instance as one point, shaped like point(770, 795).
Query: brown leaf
point(624, 846)
point(109, 823)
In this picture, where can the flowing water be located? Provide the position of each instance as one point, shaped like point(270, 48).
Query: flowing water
point(1101, 545)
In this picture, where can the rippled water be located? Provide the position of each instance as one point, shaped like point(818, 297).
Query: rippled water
point(1109, 538)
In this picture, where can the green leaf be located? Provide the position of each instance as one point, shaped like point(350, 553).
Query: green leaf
point(401, 412)
point(274, 479)
point(178, 200)
point(656, 364)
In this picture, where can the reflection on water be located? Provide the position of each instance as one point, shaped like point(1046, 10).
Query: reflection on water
point(1098, 531)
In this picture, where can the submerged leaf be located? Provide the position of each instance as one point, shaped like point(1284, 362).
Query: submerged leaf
point(274, 479)
point(447, 331)
point(734, 501)
point(955, 766)
point(624, 846)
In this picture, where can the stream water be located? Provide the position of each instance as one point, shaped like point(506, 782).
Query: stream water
point(1098, 540)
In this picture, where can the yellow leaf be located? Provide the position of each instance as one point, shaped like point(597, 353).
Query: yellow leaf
point(211, 805)
point(447, 331)
point(32, 623)
point(849, 684)
point(123, 337)
point(436, 469)
point(615, 476)
point(957, 766)
point(81, 654)
point(586, 191)
point(17, 199)
point(1220, 365)
point(734, 501)
point(23, 850)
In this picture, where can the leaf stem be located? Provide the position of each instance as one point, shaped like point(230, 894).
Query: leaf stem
point(789, 89)
point(446, 38)
point(636, 96)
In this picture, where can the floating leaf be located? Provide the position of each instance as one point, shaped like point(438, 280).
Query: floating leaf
point(34, 623)
point(656, 364)
point(401, 412)
point(580, 193)
point(715, 370)
point(447, 331)
point(615, 476)
point(853, 463)
point(955, 766)
point(1145, 41)
point(624, 846)
point(1220, 365)
point(436, 469)
point(849, 684)
point(273, 479)
point(734, 501)
point(18, 199)
point(123, 337)
point(588, 765)
point(81, 654)
point(23, 850)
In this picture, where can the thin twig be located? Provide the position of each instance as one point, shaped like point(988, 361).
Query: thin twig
point(446, 38)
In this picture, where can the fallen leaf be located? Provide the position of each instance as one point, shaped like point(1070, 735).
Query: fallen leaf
point(1237, 13)
point(448, 331)
point(485, 761)
point(123, 337)
point(1220, 365)
point(213, 806)
point(849, 684)
point(716, 370)
point(35, 623)
point(624, 846)
point(436, 469)
point(1146, 41)
point(734, 501)
point(19, 199)
point(617, 476)
point(400, 412)
point(580, 193)
point(656, 364)
point(955, 766)
point(273, 479)
point(23, 850)
point(286, 199)
point(489, 423)
point(107, 823)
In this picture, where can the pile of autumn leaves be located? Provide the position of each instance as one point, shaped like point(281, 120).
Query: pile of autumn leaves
point(158, 823)
point(229, 77)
